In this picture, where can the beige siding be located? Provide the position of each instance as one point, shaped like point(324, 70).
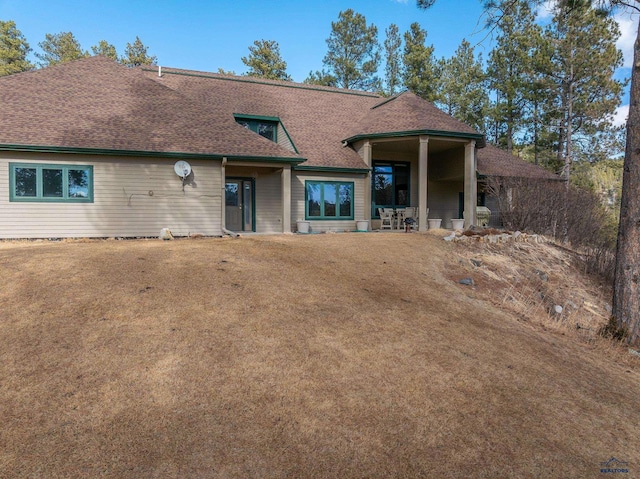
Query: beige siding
point(268, 194)
point(269, 203)
point(132, 197)
point(283, 138)
point(298, 198)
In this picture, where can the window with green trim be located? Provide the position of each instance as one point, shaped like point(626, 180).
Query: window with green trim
point(328, 200)
point(55, 183)
point(265, 128)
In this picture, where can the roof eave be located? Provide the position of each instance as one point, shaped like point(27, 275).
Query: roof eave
point(332, 169)
point(146, 153)
point(479, 138)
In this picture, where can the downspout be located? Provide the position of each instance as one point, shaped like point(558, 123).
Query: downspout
point(223, 221)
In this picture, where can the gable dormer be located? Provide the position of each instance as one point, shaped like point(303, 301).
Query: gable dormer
point(270, 127)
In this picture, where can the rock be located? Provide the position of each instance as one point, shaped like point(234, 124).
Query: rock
point(516, 235)
point(557, 309)
point(476, 262)
point(634, 352)
point(165, 234)
point(467, 281)
point(542, 275)
point(451, 237)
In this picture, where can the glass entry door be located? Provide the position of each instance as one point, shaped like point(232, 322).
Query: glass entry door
point(239, 194)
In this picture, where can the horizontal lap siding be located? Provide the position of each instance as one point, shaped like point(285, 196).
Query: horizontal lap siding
point(269, 203)
point(298, 198)
point(123, 205)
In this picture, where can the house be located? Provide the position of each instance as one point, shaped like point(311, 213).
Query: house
point(89, 149)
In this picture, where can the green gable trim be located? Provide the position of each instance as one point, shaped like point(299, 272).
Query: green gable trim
point(144, 153)
point(275, 119)
point(396, 134)
point(289, 137)
point(297, 86)
point(331, 169)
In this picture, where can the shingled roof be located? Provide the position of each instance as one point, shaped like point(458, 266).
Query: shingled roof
point(493, 161)
point(407, 113)
point(98, 106)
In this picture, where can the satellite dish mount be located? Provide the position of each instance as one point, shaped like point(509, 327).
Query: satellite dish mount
point(183, 170)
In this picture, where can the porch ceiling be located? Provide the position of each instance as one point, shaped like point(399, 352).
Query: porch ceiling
point(410, 145)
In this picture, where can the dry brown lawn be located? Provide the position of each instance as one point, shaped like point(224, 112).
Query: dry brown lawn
point(344, 355)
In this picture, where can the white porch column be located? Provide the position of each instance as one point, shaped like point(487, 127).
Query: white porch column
point(470, 184)
point(285, 180)
point(367, 151)
point(423, 177)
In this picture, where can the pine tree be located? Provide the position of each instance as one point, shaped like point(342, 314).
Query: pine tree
point(321, 77)
point(136, 55)
point(353, 52)
point(13, 49)
point(511, 68)
point(59, 48)
point(582, 64)
point(106, 49)
point(464, 87)
point(393, 62)
point(265, 61)
point(420, 74)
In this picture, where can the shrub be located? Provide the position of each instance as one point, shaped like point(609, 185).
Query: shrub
point(565, 213)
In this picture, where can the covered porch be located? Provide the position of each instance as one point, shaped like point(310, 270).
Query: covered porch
point(433, 173)
point(257, 197)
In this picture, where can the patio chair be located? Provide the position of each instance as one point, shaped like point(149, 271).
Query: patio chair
point(411, 214)
point(386, 215)
point(399, 216)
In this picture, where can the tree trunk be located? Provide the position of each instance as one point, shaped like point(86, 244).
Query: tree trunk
point(626, 287)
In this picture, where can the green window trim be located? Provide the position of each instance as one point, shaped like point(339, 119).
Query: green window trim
point(330, 200)
point(50, 183)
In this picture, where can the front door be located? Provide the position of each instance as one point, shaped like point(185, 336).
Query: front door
point(239, 204)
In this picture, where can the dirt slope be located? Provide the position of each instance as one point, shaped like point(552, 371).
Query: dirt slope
point(336, 355)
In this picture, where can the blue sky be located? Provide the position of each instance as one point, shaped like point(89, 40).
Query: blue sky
point(207, 35)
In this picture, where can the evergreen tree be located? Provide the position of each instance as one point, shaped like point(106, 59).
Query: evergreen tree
point(59, 48)
point(511, 68)
point(13, 49)
point(464, 87)
point(393, 62)
point(353, 52)
point(421, 73)
point(321, 77)
point(136, 54)
point(582, 88)
point(265, 61)
point(106, 49)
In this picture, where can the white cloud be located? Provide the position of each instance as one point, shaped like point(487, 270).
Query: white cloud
point(628, 27)
point(621, 114)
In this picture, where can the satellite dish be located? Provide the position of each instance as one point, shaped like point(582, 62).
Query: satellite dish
point(182, 169)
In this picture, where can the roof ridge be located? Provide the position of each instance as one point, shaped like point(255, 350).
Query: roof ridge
point(260, 81)
point(387, 100)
